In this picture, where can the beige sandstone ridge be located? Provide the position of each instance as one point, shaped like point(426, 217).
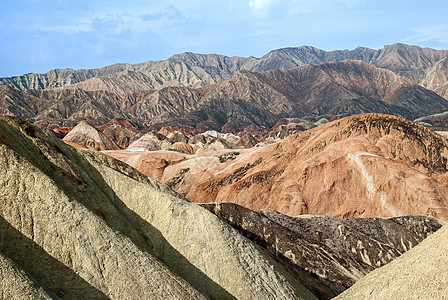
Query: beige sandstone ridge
point(370, 165)
point(87, 135)
point(85, 225)
point(420, 273)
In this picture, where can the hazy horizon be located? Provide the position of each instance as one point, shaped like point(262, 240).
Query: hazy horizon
point(38, 35)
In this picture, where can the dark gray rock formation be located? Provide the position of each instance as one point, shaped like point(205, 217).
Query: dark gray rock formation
point(328, 254)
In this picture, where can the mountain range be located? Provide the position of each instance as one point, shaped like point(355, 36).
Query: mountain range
point(246, 98)
point(195, 70)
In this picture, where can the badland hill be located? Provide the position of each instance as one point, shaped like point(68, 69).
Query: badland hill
point(369, 165)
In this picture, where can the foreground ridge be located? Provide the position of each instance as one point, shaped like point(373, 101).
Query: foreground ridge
point(85, 225)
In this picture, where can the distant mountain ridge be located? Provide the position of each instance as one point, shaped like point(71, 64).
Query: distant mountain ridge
point(195, 70)
point(260, 98)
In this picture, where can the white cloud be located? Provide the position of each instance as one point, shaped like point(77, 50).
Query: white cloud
point(260, 4)
point(282, 8)
point(352, 3)
point(430, 33)
point(274, 8)
point(68, 28)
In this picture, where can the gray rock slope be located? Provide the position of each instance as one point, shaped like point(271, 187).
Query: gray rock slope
point(83, 225)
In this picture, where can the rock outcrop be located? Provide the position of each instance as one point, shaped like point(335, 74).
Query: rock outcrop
point(149, 142)
point(87, 135)
point(118, 122)
point(181, 147)
point(85, 225)
point(122, 136)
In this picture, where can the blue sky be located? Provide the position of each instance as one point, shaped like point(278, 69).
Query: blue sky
point(37, 36)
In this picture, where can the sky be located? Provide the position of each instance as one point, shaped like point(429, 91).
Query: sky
point(39, 35)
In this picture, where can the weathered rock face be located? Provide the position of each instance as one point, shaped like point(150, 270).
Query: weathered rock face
point(289, 126)
point(61, 132)
point(247, 141)
point(87, 135)
point(436, 78)
point(368, 165)
point(181, 147)
point(85, 225)
point(122, 136)
point(420, 273)
point(150, 141)
point(329, 255)
point(118, 122)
